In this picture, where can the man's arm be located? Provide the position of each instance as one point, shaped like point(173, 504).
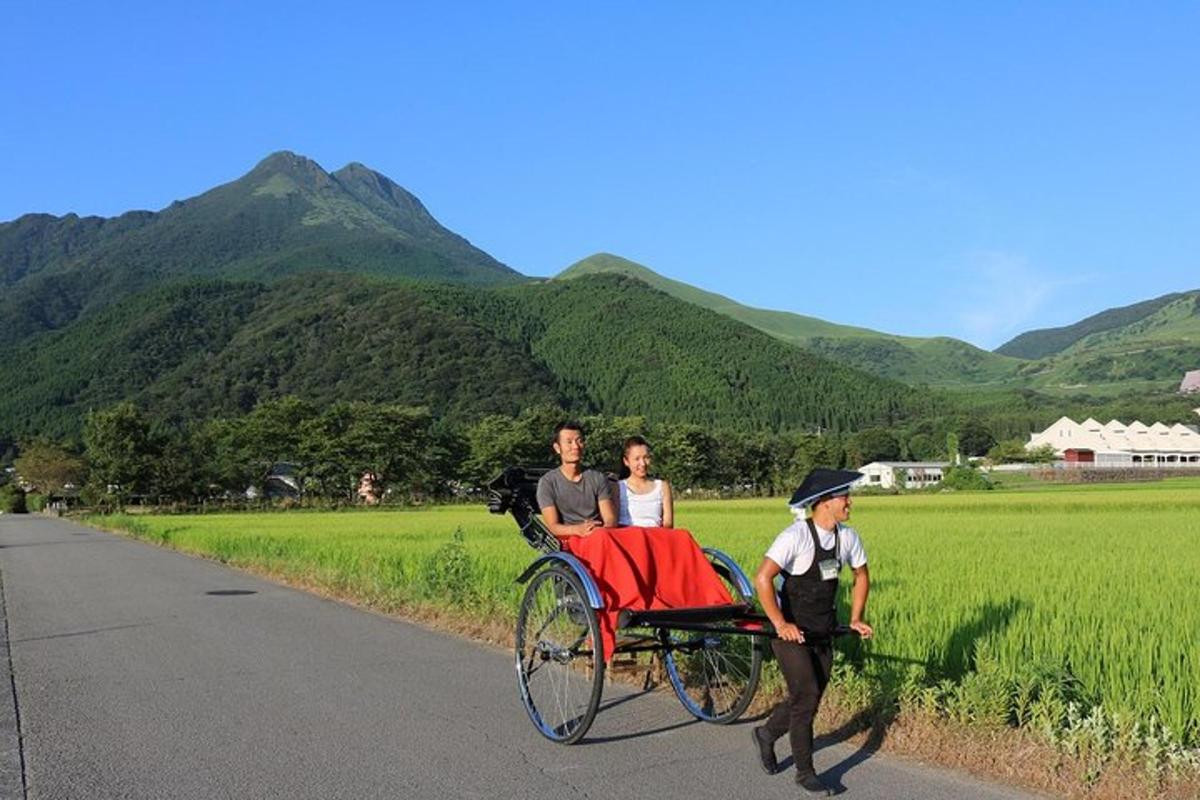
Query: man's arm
point(858, 601)
point(764, 585)
point(608, 512)
point(562, 530)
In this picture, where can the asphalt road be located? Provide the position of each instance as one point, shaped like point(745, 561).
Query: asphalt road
point(143, 673)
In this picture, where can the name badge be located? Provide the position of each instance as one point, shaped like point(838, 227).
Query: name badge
point(829, 569)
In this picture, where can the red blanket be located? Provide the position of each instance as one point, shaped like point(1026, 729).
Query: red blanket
point(645, 568)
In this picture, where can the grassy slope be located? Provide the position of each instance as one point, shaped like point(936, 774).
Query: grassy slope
point(1151, 352)
point(937, 361)
point(1048, 341)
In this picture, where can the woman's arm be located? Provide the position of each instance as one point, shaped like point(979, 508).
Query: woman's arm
point(668, 520)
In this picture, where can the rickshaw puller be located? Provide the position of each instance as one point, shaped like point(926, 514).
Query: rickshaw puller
point(809, 554)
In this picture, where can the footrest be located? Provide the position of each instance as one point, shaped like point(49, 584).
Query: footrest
point(671, 617)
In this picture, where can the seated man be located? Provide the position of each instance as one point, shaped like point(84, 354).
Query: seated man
point(574, 501)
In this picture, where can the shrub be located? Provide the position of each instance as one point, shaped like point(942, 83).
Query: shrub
point(964, 477)
point(12, 500)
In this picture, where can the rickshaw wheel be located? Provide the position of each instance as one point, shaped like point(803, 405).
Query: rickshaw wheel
point(715, 675)
point(559, 669)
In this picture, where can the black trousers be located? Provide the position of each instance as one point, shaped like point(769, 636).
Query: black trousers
point(805, 668)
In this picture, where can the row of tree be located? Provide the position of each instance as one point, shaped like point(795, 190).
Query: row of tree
point(409, 455)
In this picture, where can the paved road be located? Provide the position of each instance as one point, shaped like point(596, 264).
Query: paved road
point(142, 673)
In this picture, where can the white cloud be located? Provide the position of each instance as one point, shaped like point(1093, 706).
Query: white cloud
point(1002, 293)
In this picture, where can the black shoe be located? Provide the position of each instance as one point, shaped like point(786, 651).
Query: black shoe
point(766, 751)
point(812, 786)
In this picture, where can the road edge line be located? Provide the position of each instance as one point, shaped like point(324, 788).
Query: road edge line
point(12, 752)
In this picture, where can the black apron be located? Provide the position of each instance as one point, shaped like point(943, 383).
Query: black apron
point(809, 602)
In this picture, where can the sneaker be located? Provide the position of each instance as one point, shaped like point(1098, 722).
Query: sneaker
point(766, 750)
point(812, 786)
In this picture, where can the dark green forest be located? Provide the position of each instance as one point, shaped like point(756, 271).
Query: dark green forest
point(606, 345)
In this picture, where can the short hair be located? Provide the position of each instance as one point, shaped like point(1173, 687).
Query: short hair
point(634, 441)
point(566, 425)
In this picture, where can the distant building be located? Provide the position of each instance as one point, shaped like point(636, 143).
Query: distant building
point(916, 474)
point(1190, 383)
point(279, 483)
point(1115, 444)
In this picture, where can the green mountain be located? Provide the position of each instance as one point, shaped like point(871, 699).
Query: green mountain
point(217, 348)
point(1146, 346)
point(1048, 341)
point(936, 361)
point(286, 215)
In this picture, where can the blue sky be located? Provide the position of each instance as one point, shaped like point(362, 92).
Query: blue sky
point(973, 170)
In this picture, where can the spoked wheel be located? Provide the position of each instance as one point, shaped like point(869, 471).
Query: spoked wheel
point(559, 669)
point(715, 675)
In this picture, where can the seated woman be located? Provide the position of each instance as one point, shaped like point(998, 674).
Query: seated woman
point(643, 502)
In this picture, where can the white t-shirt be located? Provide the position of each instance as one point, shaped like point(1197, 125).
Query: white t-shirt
point(792, 550)
point(643, 510)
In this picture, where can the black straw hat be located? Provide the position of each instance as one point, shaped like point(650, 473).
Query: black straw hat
point(821, 483)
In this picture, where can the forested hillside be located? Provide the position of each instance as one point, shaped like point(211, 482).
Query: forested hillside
point(287, 215)
point(605, 344)
point(933, 361)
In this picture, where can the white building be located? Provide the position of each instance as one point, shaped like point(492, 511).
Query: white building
point(917, 474)
point(1115, 444)
point(1190, 383)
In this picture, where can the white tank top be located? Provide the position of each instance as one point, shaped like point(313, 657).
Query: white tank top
point(642, 510)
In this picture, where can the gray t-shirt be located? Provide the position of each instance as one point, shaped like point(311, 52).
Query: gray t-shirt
point(575, 501)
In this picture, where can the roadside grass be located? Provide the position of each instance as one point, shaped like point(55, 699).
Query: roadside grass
point(1063, 616)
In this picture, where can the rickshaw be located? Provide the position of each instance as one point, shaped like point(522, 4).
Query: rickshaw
point(712, 655)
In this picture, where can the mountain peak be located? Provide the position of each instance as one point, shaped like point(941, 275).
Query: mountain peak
point(285, 172)
point(608, 263)
point(380, 193)
point(286, 160)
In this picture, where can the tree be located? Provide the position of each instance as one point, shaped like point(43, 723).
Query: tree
point(745, 461)
point(965, 477)
point(801, 453)
point(498, 441)
point(974, 437)
point(120, 451)
point(872, 444)
point(185, 468)
point(1042, 454)
point(685, 455)
point(952, 450)
point(48, 467)
point(1009, 451)
point(12, 500)
point(606, 439)
point(922, 447)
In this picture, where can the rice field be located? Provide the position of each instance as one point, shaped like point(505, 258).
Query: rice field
point(1033, 599)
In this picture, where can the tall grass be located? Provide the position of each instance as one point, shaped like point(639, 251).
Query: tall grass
point(1031, 608)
